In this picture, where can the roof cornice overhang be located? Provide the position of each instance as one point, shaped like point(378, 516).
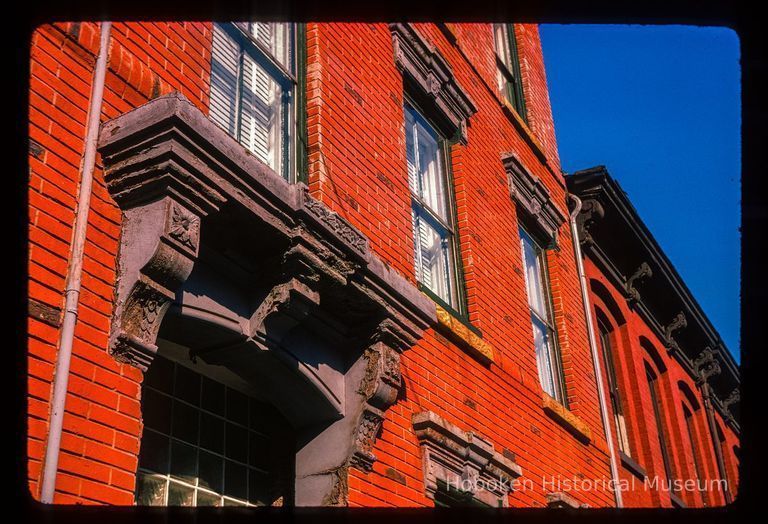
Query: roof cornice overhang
point(619, 243)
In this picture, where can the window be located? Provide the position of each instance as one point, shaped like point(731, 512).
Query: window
point(508, 67)
point(690, 430)
point(206, 444)
point(540, 303)
point(653, 386)
point(433, 229)
point(613, 386)
point(253, 89)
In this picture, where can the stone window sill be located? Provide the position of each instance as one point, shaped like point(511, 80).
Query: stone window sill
point(573, 424)
point(463, 335)
point(632, 466)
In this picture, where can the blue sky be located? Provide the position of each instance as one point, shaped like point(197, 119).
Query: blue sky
point(660, 107)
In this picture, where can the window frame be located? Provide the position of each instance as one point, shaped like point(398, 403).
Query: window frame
point(555, 352)
point(292, 83)
point(445, 144)
point(653, 378)
point(608, 351)
point(513, 82)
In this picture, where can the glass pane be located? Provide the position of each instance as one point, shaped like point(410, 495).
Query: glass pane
point(434, 259)
point(235, 480)
point(187, 385)
point(260, 488)
point(275, 37)
point(211, 471)
point(425, 163)
point(156, 408)
point(230, 502)
point(261, 114)
point(259, 452)
point(151, 490)
point(225, 60)
point(154, 452)
point(183, 461)
point(208, 499)
point(543, 357)
point(185, 422)
point(502, 43)
point(212, 433)
point(237, 407)
point(534, 278)
point(237, 443)
point(179, 495)
point(212, 398)
point(160, 375)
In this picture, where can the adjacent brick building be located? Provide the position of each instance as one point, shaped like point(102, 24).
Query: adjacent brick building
point(332, 264)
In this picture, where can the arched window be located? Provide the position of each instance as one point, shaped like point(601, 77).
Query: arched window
point(610, 361)
point(654, 369)
point(692, 429)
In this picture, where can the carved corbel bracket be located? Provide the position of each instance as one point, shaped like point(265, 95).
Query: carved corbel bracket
point(706, 366)
point(591, 212)
point(643, 271)
point(284, 308)
point(158, 248)
point(380, 387)
point(732, 399)
point(677, 323)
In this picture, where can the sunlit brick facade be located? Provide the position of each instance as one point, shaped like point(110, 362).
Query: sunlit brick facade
point(345, 252)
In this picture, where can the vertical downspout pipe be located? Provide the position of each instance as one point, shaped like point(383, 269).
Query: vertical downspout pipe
point(74, 273)
point(706, 393)
point(595, 356)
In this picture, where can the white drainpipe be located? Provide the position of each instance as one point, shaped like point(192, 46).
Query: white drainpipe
point(595, 356)
point(74, 274)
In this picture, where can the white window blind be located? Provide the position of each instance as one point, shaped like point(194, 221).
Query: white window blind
point(246, 100)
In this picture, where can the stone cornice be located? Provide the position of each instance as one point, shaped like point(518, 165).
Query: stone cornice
point(463, 460)
point(424, 65)
point(529, 192)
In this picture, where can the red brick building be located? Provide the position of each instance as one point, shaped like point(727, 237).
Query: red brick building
point(334, 264)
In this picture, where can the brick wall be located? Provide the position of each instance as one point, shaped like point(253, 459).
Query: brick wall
point(358, 167)
point(630, 329)
point(102, 423)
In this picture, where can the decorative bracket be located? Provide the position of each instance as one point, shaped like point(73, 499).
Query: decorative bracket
point(706, 365)
point(732, 399)
point(677, 323)
point(591, 211)
point(643, 272)
point(380, 387)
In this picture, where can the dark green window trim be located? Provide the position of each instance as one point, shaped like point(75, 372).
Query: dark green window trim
point(302, 145)
point(460, 311)
point(513, 84)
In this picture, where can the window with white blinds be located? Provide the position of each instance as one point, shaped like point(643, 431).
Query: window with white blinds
point(252, 88)
point(539, 302)
point(508, 67)
point(433, 232)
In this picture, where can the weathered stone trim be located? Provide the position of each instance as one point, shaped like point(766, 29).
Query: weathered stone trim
point(418, 59)
point(577, 427)
point(464, 460)
point(559, 499)
point(530, 193)
point(457, 330)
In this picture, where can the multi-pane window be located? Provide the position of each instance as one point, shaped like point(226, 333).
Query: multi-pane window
point(542, 319)
point(433, 229)
point(253, 88)
point(653, 386)
point(508, 67)
point(613, 388)
point(206, 444)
